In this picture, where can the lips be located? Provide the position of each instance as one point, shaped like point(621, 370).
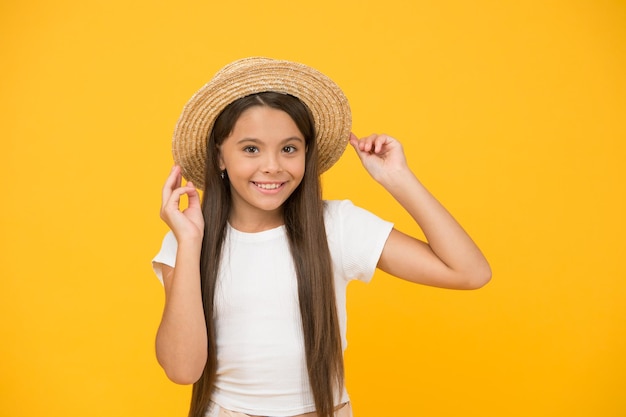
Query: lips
point(268, 186)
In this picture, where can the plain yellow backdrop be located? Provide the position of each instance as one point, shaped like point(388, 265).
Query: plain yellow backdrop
point(513, 113)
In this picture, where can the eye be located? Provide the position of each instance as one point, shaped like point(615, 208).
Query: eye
point(289, 149)
point(251, 149)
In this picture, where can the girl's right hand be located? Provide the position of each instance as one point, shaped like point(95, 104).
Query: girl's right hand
point(188, 223)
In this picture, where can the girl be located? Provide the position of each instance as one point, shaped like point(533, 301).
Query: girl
point(255, 276)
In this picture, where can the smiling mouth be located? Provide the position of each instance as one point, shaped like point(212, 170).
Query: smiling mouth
point(268, 186)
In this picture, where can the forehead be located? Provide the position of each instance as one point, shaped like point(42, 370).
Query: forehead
point(263, 122)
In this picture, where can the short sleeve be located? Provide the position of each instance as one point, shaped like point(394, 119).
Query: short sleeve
point(166, 256)
point(356, 239)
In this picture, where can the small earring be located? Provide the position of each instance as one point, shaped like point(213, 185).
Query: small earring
point(222, 175)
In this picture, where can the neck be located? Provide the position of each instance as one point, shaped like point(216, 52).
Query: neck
point(258, 222)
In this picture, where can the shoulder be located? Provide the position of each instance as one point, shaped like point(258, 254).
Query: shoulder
point(334, 209)
point(345, 221)
point(341, 211)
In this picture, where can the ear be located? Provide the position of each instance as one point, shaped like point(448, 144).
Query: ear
point(220, 159)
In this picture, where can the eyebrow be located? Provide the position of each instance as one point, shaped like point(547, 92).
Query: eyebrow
point(259, 141)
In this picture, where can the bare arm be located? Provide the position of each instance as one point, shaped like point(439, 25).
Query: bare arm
point(449, 258)
point(181, 341)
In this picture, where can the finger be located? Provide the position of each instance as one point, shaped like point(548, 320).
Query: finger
point(193, 195)
point(182, 190)
point(172, 197)
point(380, 143)
point(358, 145)
point(363, 144)
point(172, 182)
point(174, 179)
point(171, 206)
point(368, 142)
point(354, 139)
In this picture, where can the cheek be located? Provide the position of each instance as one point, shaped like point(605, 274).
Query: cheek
point(298, 167)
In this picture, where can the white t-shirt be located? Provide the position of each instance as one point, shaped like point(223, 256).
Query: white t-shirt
point(261, 363)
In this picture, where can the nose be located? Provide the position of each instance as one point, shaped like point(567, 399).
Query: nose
point(271, 163)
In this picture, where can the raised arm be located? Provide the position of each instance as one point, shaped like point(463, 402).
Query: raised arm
point(449, 258)
point(181, 341)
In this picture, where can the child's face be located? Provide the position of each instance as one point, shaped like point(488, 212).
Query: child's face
point(264, 157)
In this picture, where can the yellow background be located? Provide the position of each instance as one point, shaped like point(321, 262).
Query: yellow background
point(511, 112)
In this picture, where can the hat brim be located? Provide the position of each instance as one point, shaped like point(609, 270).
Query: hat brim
point(323, 97)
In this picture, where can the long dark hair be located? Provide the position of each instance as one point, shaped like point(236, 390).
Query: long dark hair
point(303, 215)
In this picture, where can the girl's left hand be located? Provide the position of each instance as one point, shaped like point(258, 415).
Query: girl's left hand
point(381, 155)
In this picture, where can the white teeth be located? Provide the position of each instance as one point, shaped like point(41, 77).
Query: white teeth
point(268, 186)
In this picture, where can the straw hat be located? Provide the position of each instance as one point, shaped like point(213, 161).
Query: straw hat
point(328, 105)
